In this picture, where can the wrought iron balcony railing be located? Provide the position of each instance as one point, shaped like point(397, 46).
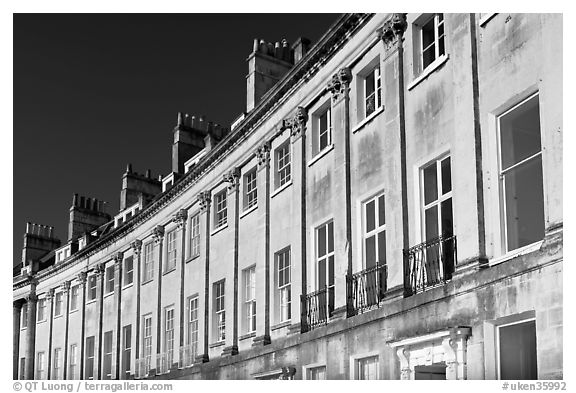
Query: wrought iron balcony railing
point(317, 307)
point(366, 289)
point(164, 362)
point(187, 355)
point(429, 264)
point(142, 367)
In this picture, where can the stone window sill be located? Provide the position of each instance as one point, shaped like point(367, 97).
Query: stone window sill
point(91, 301)
point(281, 188)
point(430, 69)
point(247, 336)
point(108, 294)
point(281, 325)
point(217, 344)
point(172, 269)
point(321, 154)
point(127, 286)
point(249, 210)
point(486, 18)
point(147, 281)
point(516, 253)
point(190, 259)
point(367, 120)
point(220, 228)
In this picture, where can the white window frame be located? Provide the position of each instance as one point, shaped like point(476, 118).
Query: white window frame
point(497, 328)
point(376, 73)
point(92, 289)
point(58, 303)
point(148, 263)
point(74, 297)
point(110, 278)
point(128, 271)
point(501, 173)
point(194, 249)
point(249, 279)
point(171, 250)
point(355, 363)
point(24, 323)
point(107, 356)
point(147, 341)
point(328, 113)
point(437, 22)
point(309, 369)
point(126, 349)
point(220, 209)
point(193, 325)
point(220, 310)
point(318, 258)
point(92, 358)
point(169, 334)
point(250, 189)
point(73, 362)
point(57, 367)
point(377, 229)
point(439, 197)
point(284, 288)
point(41, 314)
point(283, 161)
point(40, 365)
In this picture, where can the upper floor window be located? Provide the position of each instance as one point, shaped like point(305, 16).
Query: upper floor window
point(282, 157)
point(148, 262)
point(428, 41)
point(128, 270)
point(521, 174)
point(195, 236)
point(58, 304)
point(169, 334)
point(89, 363)
point(41, 365)
point(192, 339)
point(41, 309)
point(220, 212)
point(147, 342)
point(437, 199)
point(110, 279)
point(325, 266)
point(322, 129)
point(372, 91)
point(250, 190)
point(219, 311)
point(284, 285)
point(374, 232)
point(92, 287)
point(74, 297)
point(73, 362)
point(24, 323)
point(172, 251)
point(250, 299)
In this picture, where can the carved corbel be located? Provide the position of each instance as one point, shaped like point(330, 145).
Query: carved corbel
point(232, 177)
point(404, 357)
point(136, 246)
point(118, 257)
point(31, 298)
point(50, 294)
point(297, 123)
point(99, 269)
point(204, 199)
point(393, 29)
point(66, 286)
point(158, 233)
point(340, 82)
point(180, 218)
point(263, 154)
point(82, 276)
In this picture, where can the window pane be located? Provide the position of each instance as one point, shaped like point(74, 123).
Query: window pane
point(430, 184)
point(447, 222)
point(381, 211)
point(524, 204)
point(331, 271)
point(382, 248)
point(322, 241)
point(331, 237)
point(446, 176)
point(370, 84)
point(520, 133)
point(518, 351)
point(370, 219)
point(431, 224)
point(370, 251)
point(321, 273)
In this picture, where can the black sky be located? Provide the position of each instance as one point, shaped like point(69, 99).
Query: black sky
point(93, 92)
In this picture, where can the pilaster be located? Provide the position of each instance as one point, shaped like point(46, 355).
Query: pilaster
point(158, 237)
point(204, 198)
point(66, 289)
point(118, 259)
point(82, 276)
point(99, 270)
point(31, 301)
point(180, 220)
point(136, 246)
point(50, 299)
point(16, 315)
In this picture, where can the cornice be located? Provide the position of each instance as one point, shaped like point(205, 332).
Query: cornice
point(330, 43)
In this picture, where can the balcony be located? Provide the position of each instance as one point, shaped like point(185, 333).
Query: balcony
point(429, 264)
point(366, 289)
point(164, 362)
point(187, 355)
point(142, 367)
point(317, 308)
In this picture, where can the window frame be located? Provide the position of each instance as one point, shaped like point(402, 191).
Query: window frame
point(220, 209)
point(438, 38)
point(126, 364)
point(147, 340)
point(58, 304)
point(171, 250)
point(110, 279)
point(57, 364)
point(250, 189)
point(310, 369)
point(74, 294)
point(90, 359)
point(24, 316)
point(249, 297)
point(169, 334)
point(497, 337)
point(193, 330)
point(356, 363)
point(440, 197)
point(219, 289)
point(148, 262)
point(92, 290)
point(40, 366)
point(504, 249)
point(284, 286)
point(107, 354)
point(73, 361)
point(376, 73)
point(194, 249)
point(128, 271)
point(41, 310)
point(378, 228)
point(283, 172)
point(328, 131)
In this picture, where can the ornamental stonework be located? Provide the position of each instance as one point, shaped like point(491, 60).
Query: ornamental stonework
point(232, 177)
point(263, 154)
point(393, 29)
point(204, 199)
point(340, 83)
point(180, 218)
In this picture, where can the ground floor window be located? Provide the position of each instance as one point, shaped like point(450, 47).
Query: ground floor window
point(517, 350)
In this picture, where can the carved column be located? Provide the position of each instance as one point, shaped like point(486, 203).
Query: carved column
point(391, 35)
point(297, 126)
point(50, 299)
point(180, 219)
point(204, 199)
point(158, 236)
point(31, 301)
point(99, 270)
point(16, 315)
point(118, 259)
point(404, 357)
point(263, 178)
point(339, 87)
point(66, 290)
point(233, 180)
point(137, 248)
point(82, 280)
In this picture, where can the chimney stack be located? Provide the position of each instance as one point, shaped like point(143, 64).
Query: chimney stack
point(38, 241)
point(300, 48)
point(86, 214)
point(137, 187)
point(267, 64)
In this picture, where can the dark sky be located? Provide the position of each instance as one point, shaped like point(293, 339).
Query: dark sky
point(93, 92)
